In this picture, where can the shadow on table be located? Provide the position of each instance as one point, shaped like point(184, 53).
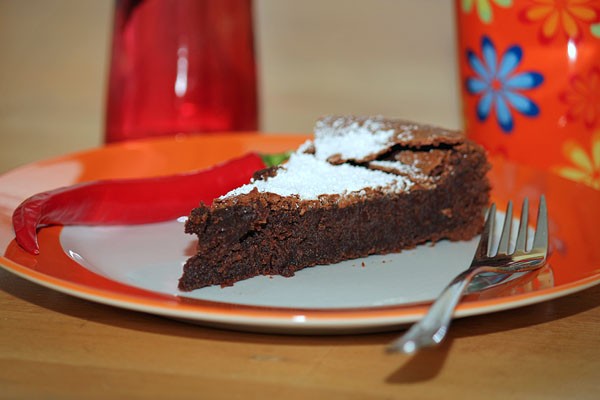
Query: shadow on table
point(427, 364)
point(422, 366)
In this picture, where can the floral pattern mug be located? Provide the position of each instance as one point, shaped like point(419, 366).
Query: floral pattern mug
point(530, 79)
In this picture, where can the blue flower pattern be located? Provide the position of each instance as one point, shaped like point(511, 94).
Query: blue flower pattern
point(499, 86)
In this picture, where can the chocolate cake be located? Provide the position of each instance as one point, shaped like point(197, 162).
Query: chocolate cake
point(363, 185)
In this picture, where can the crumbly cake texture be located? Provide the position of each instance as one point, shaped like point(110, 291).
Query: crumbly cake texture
point(363, 185)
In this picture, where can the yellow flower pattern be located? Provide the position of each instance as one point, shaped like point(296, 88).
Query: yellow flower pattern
point(567, 16)
point(585, 166)
point(484, 7)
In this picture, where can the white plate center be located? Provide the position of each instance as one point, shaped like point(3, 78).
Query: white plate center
point(152, 257)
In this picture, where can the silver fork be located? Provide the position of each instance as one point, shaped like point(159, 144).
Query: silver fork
point(432, 329)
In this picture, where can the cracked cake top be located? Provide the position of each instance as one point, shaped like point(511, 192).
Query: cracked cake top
point(350, 156)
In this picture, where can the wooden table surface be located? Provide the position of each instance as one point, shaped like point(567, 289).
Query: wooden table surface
point(56, 346)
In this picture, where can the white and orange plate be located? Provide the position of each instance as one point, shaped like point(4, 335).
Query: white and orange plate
point(137, 267)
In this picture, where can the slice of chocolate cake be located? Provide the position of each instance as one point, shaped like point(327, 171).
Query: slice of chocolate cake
point(364, 185)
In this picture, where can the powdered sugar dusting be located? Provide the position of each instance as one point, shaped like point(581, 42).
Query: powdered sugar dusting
point(353, 141)
point(398, 167)
point(308, 178)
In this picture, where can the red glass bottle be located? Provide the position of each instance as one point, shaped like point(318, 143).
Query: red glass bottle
point(182, 66)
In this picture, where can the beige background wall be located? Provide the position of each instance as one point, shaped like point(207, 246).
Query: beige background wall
point(391, 57)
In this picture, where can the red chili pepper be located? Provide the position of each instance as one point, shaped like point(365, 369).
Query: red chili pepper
point(129, 201)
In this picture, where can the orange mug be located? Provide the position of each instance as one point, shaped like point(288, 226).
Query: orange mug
point(530, 81)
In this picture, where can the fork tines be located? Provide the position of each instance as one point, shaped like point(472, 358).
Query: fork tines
point(540, 240)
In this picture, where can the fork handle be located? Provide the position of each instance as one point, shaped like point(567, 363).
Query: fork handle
point(432, 328)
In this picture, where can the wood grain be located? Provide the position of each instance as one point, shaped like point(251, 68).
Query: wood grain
point(56, 346)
